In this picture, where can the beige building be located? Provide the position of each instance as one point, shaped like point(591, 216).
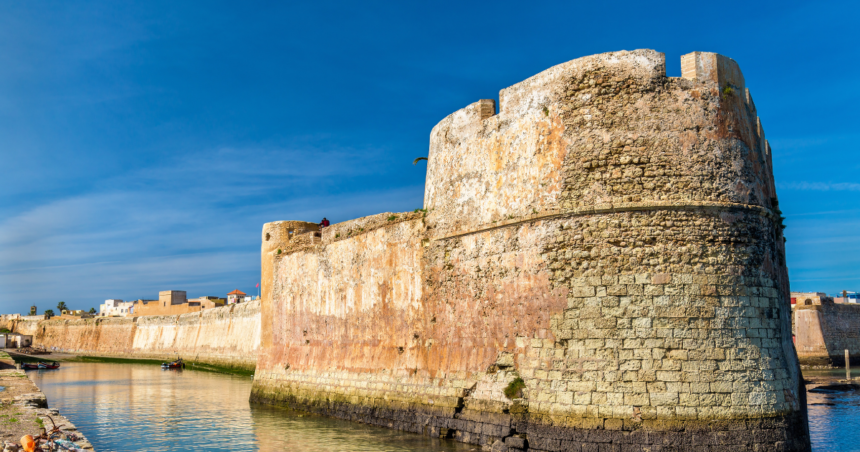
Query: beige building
point(173, 302)
point(207, 302)
point(172, 297)
point(809, 298)
point(15, 340)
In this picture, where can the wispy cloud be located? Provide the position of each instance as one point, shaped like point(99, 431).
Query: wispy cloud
point(819, 186)
point(193, 224)
point(825, 212)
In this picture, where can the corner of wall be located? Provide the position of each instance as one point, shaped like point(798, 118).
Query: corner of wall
point(275, 235)
point(713, 67)
point(750, 103)
point(463, 125)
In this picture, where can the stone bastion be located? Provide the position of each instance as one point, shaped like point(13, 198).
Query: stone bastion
point(598, 266)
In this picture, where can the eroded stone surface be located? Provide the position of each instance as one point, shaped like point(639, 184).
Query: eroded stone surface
point(824, 331)
point(228, 336)
point(611, 237)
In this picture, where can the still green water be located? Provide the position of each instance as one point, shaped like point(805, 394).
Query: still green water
point(135, 407)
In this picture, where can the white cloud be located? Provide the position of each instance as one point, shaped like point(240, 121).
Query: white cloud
point(193, 225)
point(819, 186)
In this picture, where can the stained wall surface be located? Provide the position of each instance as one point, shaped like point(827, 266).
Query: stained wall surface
point(227, 336)
point(823, 332)
point(611, 237)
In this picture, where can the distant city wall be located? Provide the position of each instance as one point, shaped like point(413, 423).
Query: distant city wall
point(824, 331)
point(228, 336)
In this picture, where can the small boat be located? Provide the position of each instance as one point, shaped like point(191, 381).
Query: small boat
point(178, 364)
point(40, 365)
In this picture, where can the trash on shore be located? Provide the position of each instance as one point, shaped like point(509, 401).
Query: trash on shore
point(28, 443)
point(53, 439)
point(835, 388)
point(33, 351)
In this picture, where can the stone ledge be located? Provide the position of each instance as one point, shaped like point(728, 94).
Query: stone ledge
point(503, 432)
point(619, 208)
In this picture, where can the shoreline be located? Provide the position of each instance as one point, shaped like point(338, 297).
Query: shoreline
point(100, 358)
point(24, 410)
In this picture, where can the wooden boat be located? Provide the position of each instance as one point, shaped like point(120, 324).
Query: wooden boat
point(178, 364)
point(40, 365)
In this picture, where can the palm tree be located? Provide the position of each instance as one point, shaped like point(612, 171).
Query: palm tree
point(415, 162)
point(61, 306)
point(49, 313)
point(92, 310)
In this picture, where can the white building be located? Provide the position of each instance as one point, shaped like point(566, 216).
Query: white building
point(235, 296)
point(115, 307)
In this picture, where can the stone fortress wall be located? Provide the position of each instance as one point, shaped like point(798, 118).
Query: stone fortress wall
point(228, 336)
point(823, 331)
point(611, 237)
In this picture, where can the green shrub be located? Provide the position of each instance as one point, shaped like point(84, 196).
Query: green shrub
point(515, 388)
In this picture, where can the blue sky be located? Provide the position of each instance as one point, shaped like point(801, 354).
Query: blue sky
point(144, 144)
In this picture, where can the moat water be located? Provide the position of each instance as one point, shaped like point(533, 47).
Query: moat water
point(833, 417)
point(133, 407)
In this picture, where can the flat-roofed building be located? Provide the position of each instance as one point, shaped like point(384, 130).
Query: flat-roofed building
point(808, 298)
point(172, 297)
point(116, 307)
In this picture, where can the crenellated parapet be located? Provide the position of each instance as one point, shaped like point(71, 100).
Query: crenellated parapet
point(602, 132)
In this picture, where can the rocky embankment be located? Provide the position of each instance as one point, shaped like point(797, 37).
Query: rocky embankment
point(24, 411)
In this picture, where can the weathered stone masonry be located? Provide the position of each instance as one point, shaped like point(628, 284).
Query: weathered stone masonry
point(228, 336)
point(611, 237)
point(824, 331)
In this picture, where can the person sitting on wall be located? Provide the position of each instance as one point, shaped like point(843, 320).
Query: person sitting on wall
point(324, 223)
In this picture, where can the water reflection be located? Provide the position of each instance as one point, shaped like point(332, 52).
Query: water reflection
point(278, 429)
point(130, 407)
point(833, 417)
point(833, 421)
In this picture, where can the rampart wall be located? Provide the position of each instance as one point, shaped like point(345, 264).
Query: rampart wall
point(611, 237)
point(228, 336)
point(824, 331)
